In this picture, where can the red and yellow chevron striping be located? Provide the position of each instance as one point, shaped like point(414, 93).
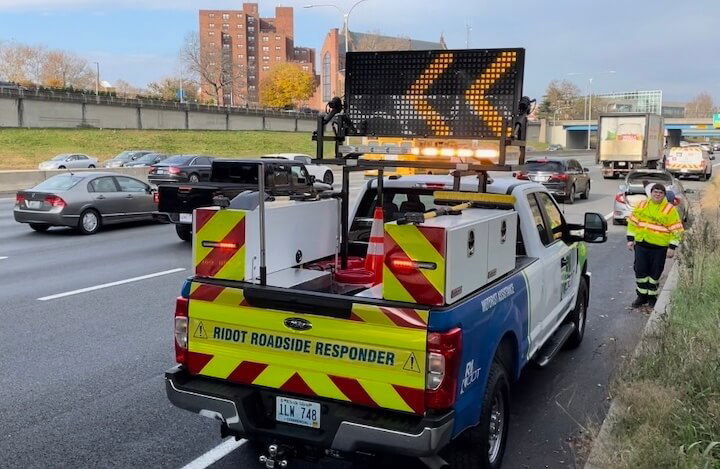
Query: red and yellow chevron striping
point(414, 269)
point(376, 359)
point(219, 243)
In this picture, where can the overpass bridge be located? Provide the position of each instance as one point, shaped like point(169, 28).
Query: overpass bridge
point(573, 134)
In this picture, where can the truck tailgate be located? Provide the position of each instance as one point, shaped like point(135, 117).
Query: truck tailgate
point(183, 198)
point(375, 357)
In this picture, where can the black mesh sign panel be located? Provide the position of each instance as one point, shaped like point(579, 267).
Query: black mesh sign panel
point(434, 94)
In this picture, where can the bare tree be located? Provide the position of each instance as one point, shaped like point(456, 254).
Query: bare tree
point(124, 88)
point(700, 106)
point(217, 72)
point(21, 63)
point(168, 89)
point(64, 69)
point(562, 100)
point(376, 42)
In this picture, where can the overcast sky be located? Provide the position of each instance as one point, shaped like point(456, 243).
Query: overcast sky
point(658, 44)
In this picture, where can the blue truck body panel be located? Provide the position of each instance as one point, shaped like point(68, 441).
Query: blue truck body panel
point(484, 320)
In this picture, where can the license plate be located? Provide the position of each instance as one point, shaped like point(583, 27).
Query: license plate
point(541, 178)
point(622, 164)
point(161, 171)
point(684, 170)
point(186, 218)
point(33, 203)
point(297, 412)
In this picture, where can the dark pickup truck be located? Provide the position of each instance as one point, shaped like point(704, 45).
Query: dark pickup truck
point(229, 178)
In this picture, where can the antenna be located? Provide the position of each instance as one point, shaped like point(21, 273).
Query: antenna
point(468, 30)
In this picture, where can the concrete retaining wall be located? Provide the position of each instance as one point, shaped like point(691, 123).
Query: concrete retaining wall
point(42, 113)
point(11, 181)
point(161, 119)
point(51, 114)
point(115, 117)
point(206, 121)
point(8, 113)
point(239, 122)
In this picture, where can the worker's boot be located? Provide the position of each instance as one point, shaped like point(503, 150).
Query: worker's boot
point(651, 301)
point(639, 301)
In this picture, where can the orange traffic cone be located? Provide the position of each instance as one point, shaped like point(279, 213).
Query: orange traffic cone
point(374, 257)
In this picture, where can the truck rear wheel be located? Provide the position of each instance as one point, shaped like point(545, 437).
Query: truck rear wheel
point(184, 232)
point(483, 446)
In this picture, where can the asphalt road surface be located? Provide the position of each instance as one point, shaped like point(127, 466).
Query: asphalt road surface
point(86, 334)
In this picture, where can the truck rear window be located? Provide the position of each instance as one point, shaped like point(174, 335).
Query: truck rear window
point(235, 173)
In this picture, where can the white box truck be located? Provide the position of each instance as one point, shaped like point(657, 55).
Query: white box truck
point(630, 141)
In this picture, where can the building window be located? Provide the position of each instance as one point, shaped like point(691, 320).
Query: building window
point(277, 47)
point(266, 39)
point(251, 48)
point(251, 87)
point(326, 78)
point(211, 33)
point(266, 58)
point(240, 36)
point(266, 67)
point(251, 29)
point(251, 19)
point(212, 44)
point(226, 16)
point(211, 25)
point(239, 15)
point(211, 15)
point(277, 38)
point(226, 26)
point(252, 77)
point(277, 57)
point(240, 56)
point(266, 48)
point(306, 68)
point(226, 46)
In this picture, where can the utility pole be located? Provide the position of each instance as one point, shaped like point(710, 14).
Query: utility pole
point(97, 79)
point(468, 30)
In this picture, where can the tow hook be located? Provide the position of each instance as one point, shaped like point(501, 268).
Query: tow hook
point(275, 458)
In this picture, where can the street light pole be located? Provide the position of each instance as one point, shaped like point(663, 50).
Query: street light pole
point(97, 79)
point(588, 101)
point(345, 15)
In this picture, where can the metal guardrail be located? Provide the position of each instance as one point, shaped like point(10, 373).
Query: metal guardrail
point(69, 97)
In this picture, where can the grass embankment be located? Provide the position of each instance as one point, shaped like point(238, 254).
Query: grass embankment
point(25, 148)
point(669, 395)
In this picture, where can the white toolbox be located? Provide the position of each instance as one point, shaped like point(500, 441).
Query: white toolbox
point(479, 247)
point(296, 232)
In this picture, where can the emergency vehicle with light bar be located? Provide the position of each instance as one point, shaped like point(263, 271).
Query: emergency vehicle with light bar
point(315, 329)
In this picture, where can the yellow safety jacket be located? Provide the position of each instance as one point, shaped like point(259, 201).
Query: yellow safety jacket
point(657, 224)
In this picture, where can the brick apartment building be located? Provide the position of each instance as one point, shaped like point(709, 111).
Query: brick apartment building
point(243, 47)
point(332, 58)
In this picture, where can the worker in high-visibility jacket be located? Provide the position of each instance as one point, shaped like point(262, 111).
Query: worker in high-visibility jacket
point(653, 230)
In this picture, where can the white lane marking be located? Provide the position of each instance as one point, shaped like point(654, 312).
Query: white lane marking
point(111, 284)
point(215, 454)
point(609, 216)
point(3, 257)
point(716, 164)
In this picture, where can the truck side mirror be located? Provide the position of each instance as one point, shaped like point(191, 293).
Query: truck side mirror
point(595, 228)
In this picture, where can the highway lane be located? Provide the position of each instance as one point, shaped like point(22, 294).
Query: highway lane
point(82, 375)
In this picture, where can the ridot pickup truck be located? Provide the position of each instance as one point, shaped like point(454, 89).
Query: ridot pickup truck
point(394, 322)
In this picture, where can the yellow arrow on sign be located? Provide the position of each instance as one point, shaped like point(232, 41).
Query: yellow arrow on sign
point(417, 94)
point(475, 95)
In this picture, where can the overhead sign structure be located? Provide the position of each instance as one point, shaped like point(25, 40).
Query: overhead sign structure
point(434, 94)
point(716, 121)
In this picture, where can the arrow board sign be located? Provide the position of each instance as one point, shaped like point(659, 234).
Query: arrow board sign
point(434, 94)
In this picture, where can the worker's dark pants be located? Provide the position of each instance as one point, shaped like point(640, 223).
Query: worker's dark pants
point(649, 266)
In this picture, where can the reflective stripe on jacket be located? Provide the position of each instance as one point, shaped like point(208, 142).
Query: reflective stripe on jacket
point(657, 224)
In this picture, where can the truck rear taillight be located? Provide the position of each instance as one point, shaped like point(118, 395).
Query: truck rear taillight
point(521, 175)
point(19, 199)
point(156, 197)
point(181, 330)
point(443, 361)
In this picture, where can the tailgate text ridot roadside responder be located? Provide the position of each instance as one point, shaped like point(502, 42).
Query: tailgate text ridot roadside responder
point(293, 344)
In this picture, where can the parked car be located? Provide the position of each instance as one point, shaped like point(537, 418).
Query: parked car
point(69, 161)
point(85, 201)
point(122, 159)
point(148, 159)
point(716, 146)
point(181, 168)
point(554, 147)
point(633, 191)
point(321, 172)
point(564, 178)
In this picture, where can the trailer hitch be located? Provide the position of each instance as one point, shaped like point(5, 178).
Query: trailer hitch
point(275, 458)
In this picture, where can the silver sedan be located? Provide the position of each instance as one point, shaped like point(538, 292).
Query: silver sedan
point(69, 161)
point(85, 201)
point(633, 191)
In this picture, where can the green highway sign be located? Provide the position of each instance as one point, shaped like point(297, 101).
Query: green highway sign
point(716, 121)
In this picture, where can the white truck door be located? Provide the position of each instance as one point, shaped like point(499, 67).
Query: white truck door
point(559, 266)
